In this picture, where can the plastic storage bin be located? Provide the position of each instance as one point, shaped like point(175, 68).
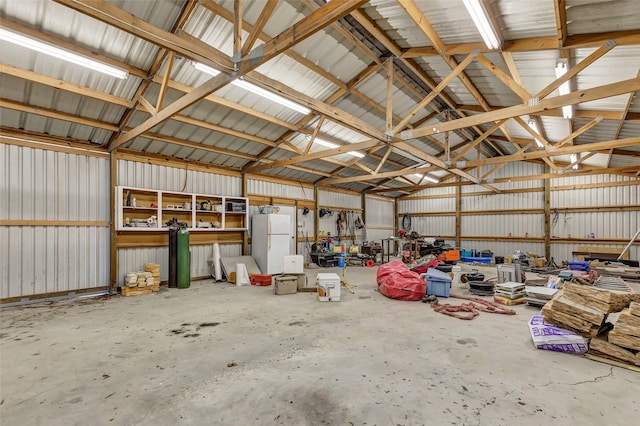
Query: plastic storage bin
point(260, 280)
point(438, 283)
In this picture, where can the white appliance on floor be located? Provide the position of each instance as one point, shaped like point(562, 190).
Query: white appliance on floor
point(328, 287)
point(270, 241)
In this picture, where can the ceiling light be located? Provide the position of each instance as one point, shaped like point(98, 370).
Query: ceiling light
point(356, 154)
point(481, 19)
point(63, 54)
point(561, 68)
point(255, 89)
point(534, 126)
point(574, 158)
point(325, 143)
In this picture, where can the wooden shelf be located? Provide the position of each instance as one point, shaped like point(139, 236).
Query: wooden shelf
point(224, 220)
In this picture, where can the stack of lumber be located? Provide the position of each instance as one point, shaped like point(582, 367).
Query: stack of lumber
point(623, 343)
point(142, 282)
point(582, 309)
point(154, 269)
point(626, 332)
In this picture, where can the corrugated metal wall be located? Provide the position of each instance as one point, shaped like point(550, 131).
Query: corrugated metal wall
point(272, 189)
point(603, 225)
point(523, 195)
point(341, 201)
point(46, 185)
point(306, 226)
point(379, 214)
point(144, 175)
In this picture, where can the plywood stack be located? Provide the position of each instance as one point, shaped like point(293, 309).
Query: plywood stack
point(582, 309)
point(623, 344)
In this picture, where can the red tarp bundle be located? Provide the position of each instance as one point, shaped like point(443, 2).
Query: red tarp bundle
point(396, 281)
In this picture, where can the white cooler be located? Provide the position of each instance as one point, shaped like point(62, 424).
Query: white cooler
point(293, 264)
point(328, 287)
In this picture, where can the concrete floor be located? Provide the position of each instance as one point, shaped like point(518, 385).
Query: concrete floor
point(220, 354)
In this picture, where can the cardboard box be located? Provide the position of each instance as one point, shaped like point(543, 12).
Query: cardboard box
point(302, 280)
point(293, 264)
point(285, 284)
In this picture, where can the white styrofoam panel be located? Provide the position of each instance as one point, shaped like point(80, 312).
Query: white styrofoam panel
point(261, 187)
point(522, 200)
point(503, 248)
point(379, 212)
point(519, 225)
point(133, 259)
point(340, 199)
point(561, 252)
point(427, 205)
point(151, 176)
point(432, 226)
point(46, 259)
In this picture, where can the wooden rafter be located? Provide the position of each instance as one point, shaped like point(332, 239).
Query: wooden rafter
point(594, 56)
point(579, 160)
point(506, 79)
point(579, 131)
point(383, 160)
point(237, 28)
point(600, 92)
point(165, 81)
point(560, 9)
point(267, 10)
point(289, 37)
point(389, 106)
point(313, 135)
point(623, 38)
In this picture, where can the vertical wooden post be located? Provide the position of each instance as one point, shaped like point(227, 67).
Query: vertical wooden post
point(237, 27)
point(245, 235)
point(547, 215)
point(316, 209)
point(458, 213)
point(389, 109)
point(113, 256)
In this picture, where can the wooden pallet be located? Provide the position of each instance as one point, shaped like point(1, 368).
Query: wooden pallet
point(135, 291)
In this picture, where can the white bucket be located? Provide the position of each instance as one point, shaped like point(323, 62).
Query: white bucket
point(457, 271)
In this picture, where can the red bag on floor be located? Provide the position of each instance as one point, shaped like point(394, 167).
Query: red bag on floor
point(396, 281)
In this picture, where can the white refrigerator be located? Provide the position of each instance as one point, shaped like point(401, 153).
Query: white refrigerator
point(270, 241)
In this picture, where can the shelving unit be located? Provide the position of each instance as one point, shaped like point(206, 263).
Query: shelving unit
point(137, 207)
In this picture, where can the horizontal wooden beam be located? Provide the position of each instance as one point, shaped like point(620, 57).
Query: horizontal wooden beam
point(49, 113)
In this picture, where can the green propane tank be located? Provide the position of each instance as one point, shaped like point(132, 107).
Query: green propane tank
point(184, 259)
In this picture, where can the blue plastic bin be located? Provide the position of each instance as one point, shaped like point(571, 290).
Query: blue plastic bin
point(438, 283)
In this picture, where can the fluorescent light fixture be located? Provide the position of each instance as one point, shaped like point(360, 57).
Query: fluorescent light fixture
point(534, 126)
point(561, 68)
point(573, 158)
point(334, 145)
point(63, 54)
point(426, 177)
point(481, 19)
point(325, 143)
point(255, 89)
